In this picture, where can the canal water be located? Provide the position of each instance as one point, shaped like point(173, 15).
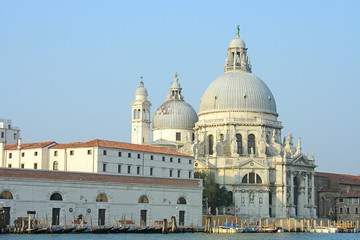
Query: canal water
point(184, 236)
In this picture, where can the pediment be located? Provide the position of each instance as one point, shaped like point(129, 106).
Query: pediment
point(251, 163)
point(201, 164)
point(301, 160)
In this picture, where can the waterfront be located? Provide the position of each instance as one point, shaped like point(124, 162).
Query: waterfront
point(184, 236)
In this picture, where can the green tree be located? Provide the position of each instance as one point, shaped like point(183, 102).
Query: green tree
point(215, 195)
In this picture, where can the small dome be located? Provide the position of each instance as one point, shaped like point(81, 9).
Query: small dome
point(175, 114)
point(237, 43)
point(238, 91)
point(141, 92)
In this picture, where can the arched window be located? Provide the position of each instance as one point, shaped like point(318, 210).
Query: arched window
point(143, 199)
point(144, 115)
point(211, 144)
point(101, 198)
point(56, 197)
point(55, 165)
point(251, 143)
point(135, 114)
point(251, 178)
point(181, 201)
point(6, 195)
point(138, 114)
point(239, 143)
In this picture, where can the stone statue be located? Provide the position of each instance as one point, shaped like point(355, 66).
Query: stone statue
point(234, 147)
point(224, 211)
point(216, 211)
point(262, 144)
point(251, 197)
point(298, 148)
point(209, 210)
point(312, 156)
point(274, 148)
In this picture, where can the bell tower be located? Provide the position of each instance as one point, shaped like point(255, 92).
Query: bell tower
point(140, 123)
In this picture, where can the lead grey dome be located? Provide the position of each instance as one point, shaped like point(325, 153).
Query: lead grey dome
point(238, 91)
point(175, 114)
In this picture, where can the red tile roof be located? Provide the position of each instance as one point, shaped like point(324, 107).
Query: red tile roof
point(326, 189)
point(352, 194)
point(119, 145)
point(340, 178)
point(29, 145)
point(93, 177)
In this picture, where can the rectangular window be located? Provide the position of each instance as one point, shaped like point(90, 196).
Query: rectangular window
point(104, 167)
point(348, 210)
point(341, 200)
point(138, 170)
point(119, 154)
point(151, 171)
point(349, 201)
point(23, 154)
point(10, 155)
point(178, 173)
point(190, 174)
point(129, 155)
point(178, 136)
point(163, 158)
point(14, 135)
point(72, 152)
point(89, 152)
point(2, 134)
point(355, 200)
point(55, 153)
point(190, 161)
point(341, 210)
point(9, 165)
point(171, 160)
point(119, 168)
point(171, 172)
point(179, 160)
point(356, 210)
point(22, 165)
point(139, 155)
point(35, 165)
point(104, 152)
point(129, 169)
point(35, 154)
point(151, 157)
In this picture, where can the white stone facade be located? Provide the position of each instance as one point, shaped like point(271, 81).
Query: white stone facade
point(238, 139)
point(32, 190)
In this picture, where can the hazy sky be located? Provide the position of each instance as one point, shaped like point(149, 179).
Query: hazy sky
point(69, 69)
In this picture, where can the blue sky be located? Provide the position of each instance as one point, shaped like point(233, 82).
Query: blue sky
point(69, 69)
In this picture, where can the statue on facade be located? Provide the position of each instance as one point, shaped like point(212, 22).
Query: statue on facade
point(234, 147)
point(298, 148)
point(262, 145)
point(274, 148)
point(251, 197)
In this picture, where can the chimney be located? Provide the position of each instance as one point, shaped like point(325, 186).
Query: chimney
point(347, 189)
point(19, 143)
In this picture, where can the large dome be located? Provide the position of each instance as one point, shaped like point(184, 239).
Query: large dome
point(237, 91)
point(175, 114)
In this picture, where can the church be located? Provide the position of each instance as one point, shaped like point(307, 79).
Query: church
point(236, 136)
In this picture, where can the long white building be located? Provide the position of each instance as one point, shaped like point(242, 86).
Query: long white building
point(100, 199)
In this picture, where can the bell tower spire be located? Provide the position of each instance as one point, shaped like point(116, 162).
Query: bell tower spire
point(140, 123)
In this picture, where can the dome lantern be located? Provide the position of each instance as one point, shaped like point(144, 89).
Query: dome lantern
point(237, 58)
